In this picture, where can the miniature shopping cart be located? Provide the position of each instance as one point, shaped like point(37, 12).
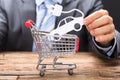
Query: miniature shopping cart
point(53, 46)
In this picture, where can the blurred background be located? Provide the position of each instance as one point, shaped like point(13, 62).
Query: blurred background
point(113, 6)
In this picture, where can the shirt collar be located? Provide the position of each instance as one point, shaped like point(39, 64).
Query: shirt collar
point(59, 1)
point(39, 2)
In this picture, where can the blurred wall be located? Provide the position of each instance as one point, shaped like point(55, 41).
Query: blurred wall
point(113, 6)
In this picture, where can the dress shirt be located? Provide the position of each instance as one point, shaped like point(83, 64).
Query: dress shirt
point(43, 15)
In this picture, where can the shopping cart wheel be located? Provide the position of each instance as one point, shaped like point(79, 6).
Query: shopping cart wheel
point(42, 73)
point(70, 71)
point(44, 67)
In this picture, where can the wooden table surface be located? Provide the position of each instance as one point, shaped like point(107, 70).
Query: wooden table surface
point(22, 66)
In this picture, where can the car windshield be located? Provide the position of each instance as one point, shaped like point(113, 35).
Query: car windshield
point(65, 20)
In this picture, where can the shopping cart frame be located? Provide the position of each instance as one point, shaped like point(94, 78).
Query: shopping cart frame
point(56, 52)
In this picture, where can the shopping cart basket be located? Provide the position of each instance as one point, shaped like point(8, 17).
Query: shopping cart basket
point(53, 46)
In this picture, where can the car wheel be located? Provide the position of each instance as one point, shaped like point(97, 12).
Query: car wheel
point(77, 27)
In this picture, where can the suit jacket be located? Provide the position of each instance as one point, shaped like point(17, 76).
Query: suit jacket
point(14, 36)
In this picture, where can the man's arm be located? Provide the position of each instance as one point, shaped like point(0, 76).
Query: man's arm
point(100, 26)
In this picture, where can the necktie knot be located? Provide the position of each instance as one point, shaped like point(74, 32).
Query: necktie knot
point(49, 4)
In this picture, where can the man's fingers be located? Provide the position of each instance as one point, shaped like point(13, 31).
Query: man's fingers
point(100, 22)
point(102, 30)
point(95, 16)
point(105, 38)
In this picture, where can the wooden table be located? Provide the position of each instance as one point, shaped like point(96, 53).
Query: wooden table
point(22, 66)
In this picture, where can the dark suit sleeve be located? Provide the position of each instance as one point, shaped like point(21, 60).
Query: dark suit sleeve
point(95, 5)
point(115, 50)
point(3, 26)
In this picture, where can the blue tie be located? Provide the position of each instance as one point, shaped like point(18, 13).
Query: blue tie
point(45, 21)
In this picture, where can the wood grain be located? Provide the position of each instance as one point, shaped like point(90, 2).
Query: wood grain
point(22, 66)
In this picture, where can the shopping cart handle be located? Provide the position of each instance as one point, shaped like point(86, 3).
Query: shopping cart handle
point(29, 23)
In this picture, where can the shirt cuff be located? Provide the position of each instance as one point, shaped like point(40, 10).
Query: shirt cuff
point(107, 50)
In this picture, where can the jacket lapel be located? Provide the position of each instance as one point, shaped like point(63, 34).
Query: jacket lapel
point(27, 11)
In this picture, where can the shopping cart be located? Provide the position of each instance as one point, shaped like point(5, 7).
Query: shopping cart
point(53, 46)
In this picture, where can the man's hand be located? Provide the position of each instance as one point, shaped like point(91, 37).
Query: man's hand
point(100, 25)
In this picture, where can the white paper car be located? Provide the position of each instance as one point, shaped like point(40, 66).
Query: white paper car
point(70, 23)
